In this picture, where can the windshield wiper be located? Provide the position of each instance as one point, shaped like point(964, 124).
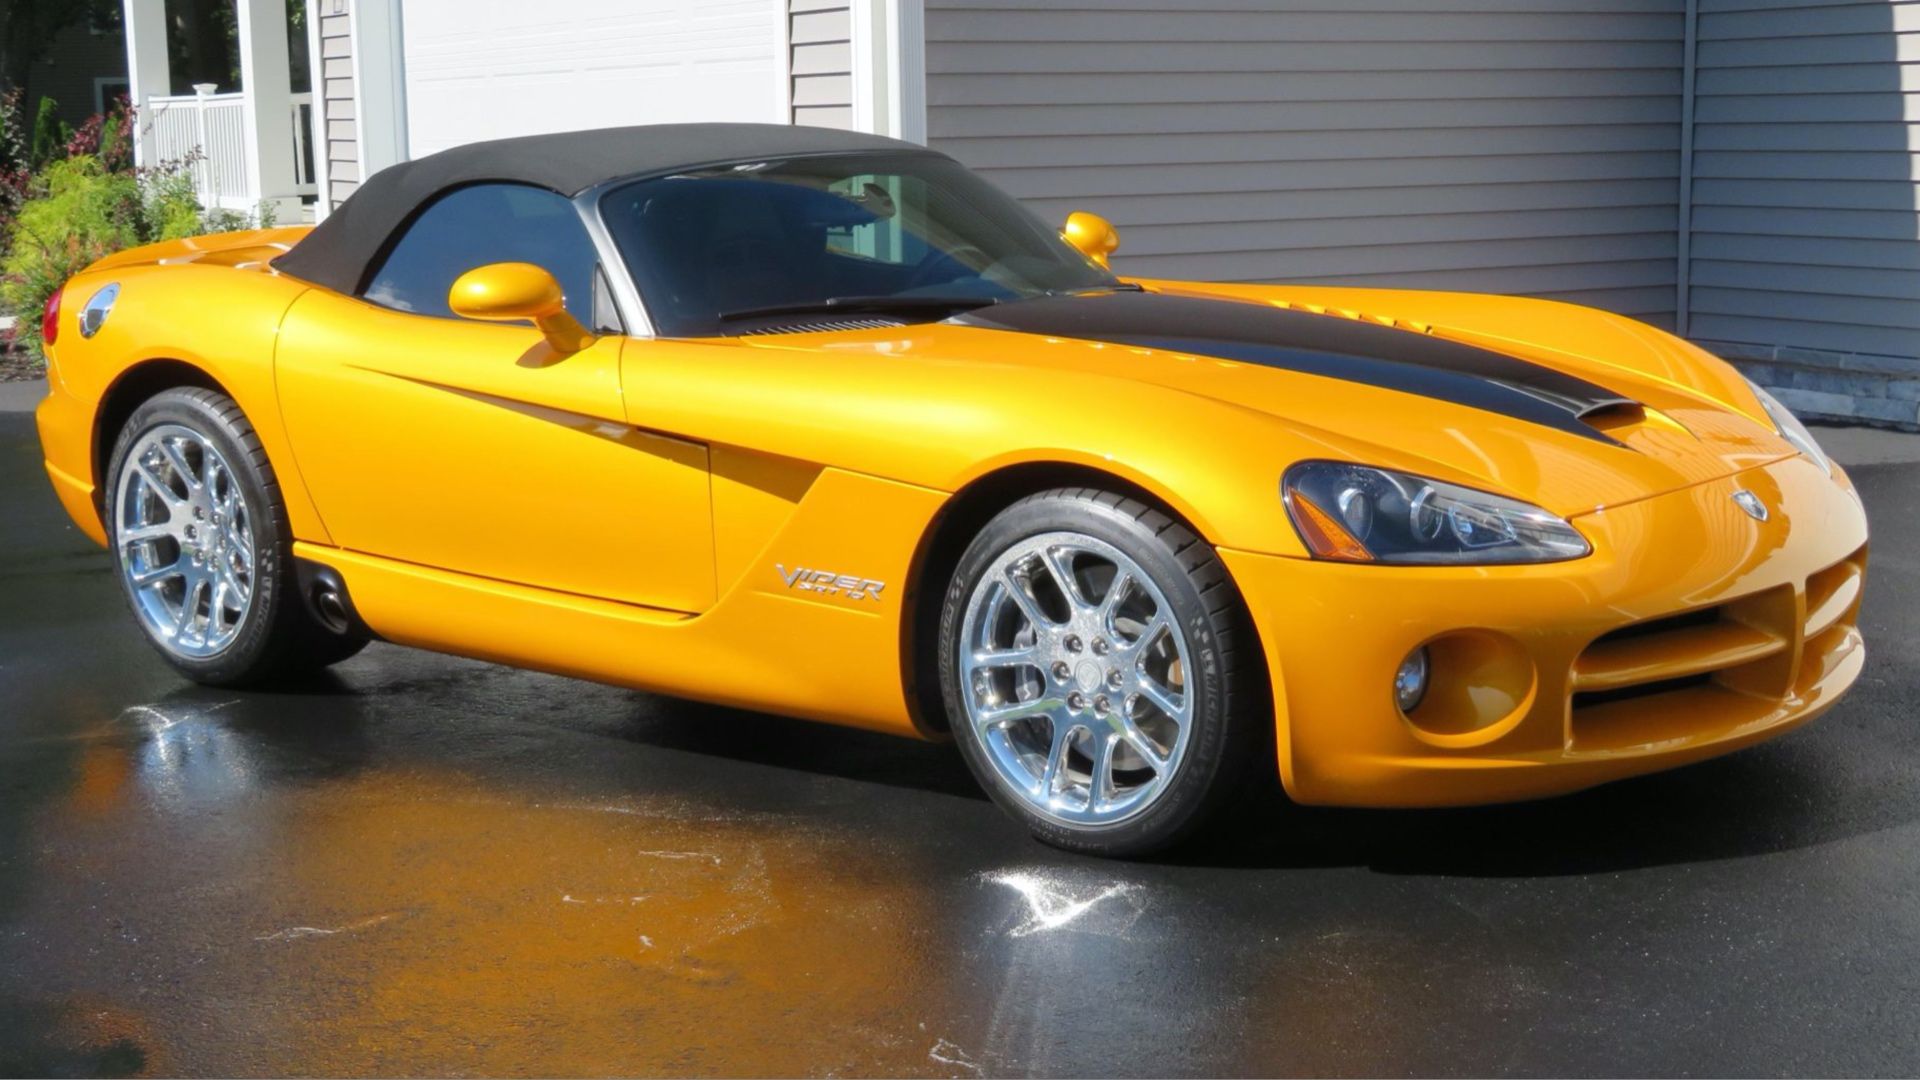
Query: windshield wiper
point(862, 303)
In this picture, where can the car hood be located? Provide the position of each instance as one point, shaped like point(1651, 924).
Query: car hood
point(1571, 408)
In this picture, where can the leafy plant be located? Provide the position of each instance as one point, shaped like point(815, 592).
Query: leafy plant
point(15, 167)
point(13, 131)
point(171, 207)
point(80, 212)
point(107, 136)
point(86, 202)
point(50, 133)
point(116, 137)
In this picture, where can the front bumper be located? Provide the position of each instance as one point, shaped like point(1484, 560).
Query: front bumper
point(1690, 631)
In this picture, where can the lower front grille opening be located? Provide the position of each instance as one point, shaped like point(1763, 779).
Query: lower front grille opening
point(1592, 698)
point(1702, 617)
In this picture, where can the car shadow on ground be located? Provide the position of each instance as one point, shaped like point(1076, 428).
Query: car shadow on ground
point(1838, 778)
point(1760, 802)
point(1776, 797)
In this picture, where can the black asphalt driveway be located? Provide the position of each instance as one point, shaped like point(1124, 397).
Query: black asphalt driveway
point(434, 866)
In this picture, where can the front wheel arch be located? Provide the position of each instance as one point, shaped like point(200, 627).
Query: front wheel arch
point(947, 537)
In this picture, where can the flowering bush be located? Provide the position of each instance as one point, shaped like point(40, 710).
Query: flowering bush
point(107, 136)
point(78, 213)
point(16, 165)
point(84, 204)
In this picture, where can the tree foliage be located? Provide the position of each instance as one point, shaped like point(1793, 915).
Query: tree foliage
point(78, 214)
point(29, 27)
point(50, 133)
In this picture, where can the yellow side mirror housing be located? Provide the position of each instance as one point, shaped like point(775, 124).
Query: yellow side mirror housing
point(1094, 235)
point(518, 292)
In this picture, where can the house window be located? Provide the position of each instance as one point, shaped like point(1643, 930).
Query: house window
point(107, 92)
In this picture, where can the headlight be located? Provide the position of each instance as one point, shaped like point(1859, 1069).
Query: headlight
point(1790, 427)
point(1353, 513)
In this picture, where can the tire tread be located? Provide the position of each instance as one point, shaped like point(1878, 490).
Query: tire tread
point(1231, 632)
point(292, 644)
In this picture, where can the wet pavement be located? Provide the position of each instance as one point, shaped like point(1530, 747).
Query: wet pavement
point(423, 865)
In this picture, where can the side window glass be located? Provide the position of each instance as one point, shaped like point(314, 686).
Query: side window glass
point(481, 224)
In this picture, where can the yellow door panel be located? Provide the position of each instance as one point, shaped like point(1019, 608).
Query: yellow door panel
point(470, 447)
point(768, 643)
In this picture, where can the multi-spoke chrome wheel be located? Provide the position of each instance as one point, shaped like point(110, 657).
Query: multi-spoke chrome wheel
point(1073, 670)
point(186, 541)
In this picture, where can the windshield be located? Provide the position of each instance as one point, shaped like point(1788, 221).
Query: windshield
point(733, 248)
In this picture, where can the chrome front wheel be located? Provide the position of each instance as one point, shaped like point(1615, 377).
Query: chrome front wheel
point(1073, 671)
point(185, 536)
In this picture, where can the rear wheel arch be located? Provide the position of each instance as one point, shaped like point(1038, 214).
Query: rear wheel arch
point(946, 539)
point(128, 391)
point(214, 463)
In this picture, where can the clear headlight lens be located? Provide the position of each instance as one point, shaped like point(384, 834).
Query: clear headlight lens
point(1790, 427)
point(1354, 513)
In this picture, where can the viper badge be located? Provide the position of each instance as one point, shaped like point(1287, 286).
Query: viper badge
point(830, 583)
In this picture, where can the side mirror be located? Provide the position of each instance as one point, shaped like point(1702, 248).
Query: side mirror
point(1092, 234)
point(517, 292)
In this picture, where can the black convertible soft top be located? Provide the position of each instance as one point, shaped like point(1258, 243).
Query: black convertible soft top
point(342, 250)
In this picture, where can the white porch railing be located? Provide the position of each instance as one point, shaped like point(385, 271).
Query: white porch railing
point(211, 129)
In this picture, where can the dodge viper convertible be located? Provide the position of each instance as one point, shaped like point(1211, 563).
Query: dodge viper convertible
point(823, 424)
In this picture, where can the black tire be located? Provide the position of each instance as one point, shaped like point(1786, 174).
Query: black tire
point(1228, 721)
point(277, 638)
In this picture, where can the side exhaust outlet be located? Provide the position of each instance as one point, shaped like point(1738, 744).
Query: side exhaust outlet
point(331, 610)
point(327, 600)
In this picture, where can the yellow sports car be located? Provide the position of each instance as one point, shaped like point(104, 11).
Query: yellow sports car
point(823, 424)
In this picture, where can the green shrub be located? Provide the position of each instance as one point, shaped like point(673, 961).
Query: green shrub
point(16, 167)
point(50, 133)
point(15, 144)
point(170, 208)
point(78, 213)
point(116, 139)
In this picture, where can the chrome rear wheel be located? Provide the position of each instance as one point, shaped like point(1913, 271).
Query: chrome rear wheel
point(186, 543)
point(1073, 671)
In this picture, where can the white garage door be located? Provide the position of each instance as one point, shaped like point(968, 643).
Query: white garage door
point(485, 71)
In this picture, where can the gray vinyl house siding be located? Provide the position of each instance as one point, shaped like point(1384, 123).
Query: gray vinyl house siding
point(1803, 248)
point(342, 151)
point(820, 37)
point(1518, 146)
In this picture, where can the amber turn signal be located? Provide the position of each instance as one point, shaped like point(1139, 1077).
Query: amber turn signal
point(1324, 533)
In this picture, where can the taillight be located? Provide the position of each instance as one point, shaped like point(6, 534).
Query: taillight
point(50, 318)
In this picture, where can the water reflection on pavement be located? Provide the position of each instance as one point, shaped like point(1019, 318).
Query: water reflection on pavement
point(428, 865)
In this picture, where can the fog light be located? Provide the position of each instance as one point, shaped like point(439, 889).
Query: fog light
point(1410, 682)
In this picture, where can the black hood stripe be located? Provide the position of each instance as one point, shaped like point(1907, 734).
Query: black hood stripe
point(1325, 345)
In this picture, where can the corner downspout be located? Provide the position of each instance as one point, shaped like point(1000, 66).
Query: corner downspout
point(783, 62)
point(908, 70)
point(379, 84)
point(317, 138)
point(872, 62)
point(1683, 299)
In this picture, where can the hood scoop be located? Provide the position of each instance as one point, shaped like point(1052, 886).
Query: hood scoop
point(1637, 427)
point(1357, 316)
point(814, 326)
point(1372, 350)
